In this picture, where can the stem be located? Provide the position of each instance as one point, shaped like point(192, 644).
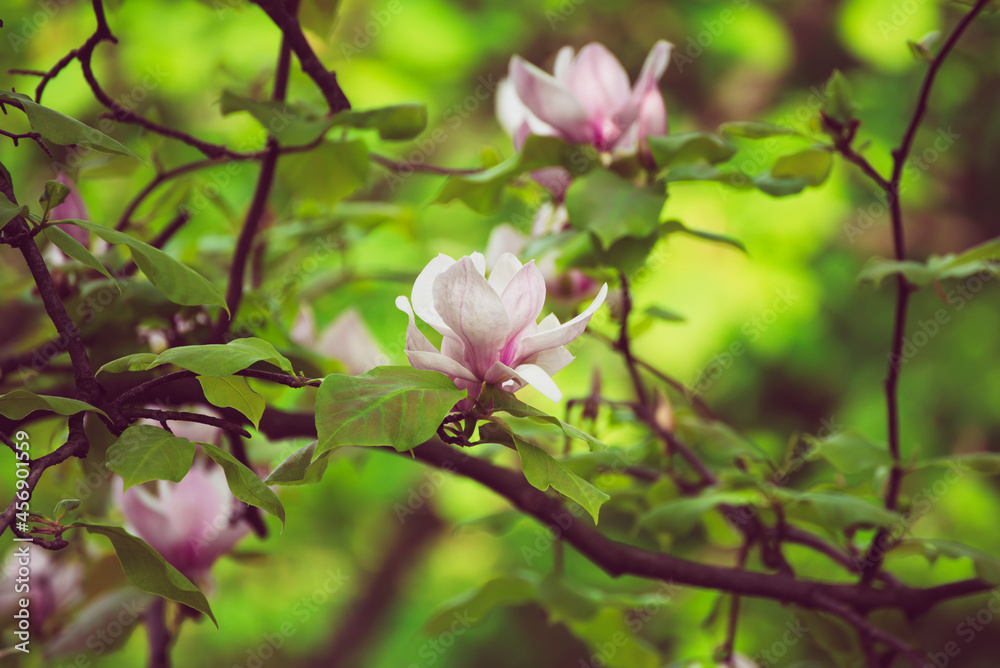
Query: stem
point(158, 635)
point(903, 288)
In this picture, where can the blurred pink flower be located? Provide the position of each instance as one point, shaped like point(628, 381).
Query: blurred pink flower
point(571, 285)
point(190, 522)
point(489, 325)
point(72, 207)
point(587, 100)
point(52, 584)
point(346, 339)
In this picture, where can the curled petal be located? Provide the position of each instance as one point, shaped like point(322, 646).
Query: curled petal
point(564, 64)
point(422, 295)
point(540, 380)
point(511, 113)
point(599, 81)
point(415, 339)
point(552, 360)
point(563, 334)
point(437, 362)
point(654, 67)
point(550, 100)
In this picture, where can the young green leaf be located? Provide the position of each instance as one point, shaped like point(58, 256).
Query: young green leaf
point(133, 362)
point(244, 483)
point(499, 400)
point(219, 360)
point(180, 283)
point(63, 130)
point(67, 244)
point(395, 122)
point(300, 467)
point(611, 207)
point(148, 571)
point(389, 405)
point(234, 392)
point(541, 470)
point(690, 147)
point(144, 452)
point(17, 404)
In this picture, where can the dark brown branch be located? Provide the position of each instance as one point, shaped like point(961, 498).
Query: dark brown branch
point(183, 416)
point(903, 287)
point(283, 16)
point(158, 180)
point(268, 166)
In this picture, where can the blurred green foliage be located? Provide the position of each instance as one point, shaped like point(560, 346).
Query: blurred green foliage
point(782, 341)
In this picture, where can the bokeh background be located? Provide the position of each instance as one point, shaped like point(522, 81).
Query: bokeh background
point(812, 341)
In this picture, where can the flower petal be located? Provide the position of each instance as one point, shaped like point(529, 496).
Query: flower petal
point(564, 64)
point(540, 380)
point(435, 361)
point(511, 113)
point(654, 67)
point(550, 100)
point(422, 295)
point(471, 308)
point(503, 239)
point(551, 361)
point(505, 268)
point(564, 333)
point(523, 298)
point(349, 340)
point(415, 339)
point(599, 81)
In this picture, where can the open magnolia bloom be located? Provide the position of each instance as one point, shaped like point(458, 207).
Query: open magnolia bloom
point(489, 329)
point(190, 522)
point(587, 100)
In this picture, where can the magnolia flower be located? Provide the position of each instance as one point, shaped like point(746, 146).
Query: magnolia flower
point(189, 523)
point(52, 585)
point(72, 207)
point(489, 328)
point(346, 339)
point(571, 285)
point(588, 101)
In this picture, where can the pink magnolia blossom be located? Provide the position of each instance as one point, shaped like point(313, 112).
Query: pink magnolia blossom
point(72, 207)
point(189, 523)
point(489, 329)
point(586, 100)
point(572, 285)
point(346, 339)
point(54, 584)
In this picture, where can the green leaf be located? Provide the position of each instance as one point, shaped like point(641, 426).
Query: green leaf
point(780, 187)
point(55, 194)
point(977, 259)
point(290, 124)
point(234, 392)
point(395, 122)
point(299, 468)
point(700, 171)
point(329, 172)
point(67, 244)
point(9, 211)
point(664, 314)
point(611, 207)
point(838, 104)
point(562, 601)
point(481, 191)
point(758, 130)
point(148, 571)
point(541, 470)
point(216, 359)
point(671, 226)
point(690, 147)
point(474, 606)
point(244, 483)
point(987, 566)
point(66, 509)
point(877, 268)
point(17, 404)
point(180, 283)
point(389, 405)
point(144, 452)
point(608, 629)
point(850, 453)
point(811, 164)
point(838, 511)
point(133, 362)
point(986, 463)
point(64, 130)
point(679, 516)
point(499, 400)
